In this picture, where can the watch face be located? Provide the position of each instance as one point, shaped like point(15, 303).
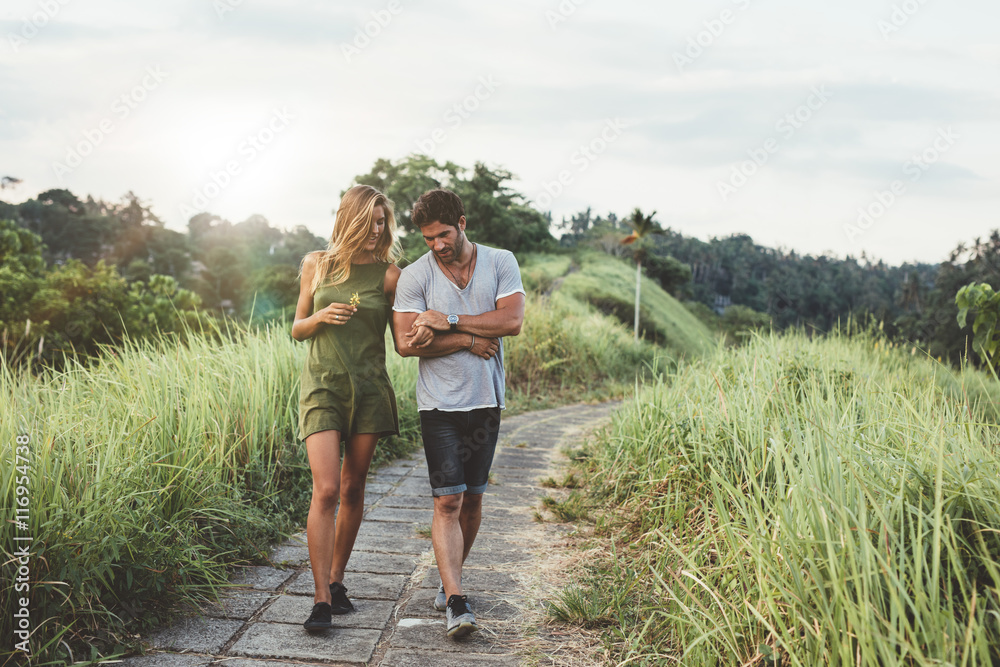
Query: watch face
point(453, 319)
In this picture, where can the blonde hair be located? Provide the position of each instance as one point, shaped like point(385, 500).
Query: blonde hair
point(351, 229)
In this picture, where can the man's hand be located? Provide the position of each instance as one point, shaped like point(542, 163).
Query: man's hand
point(433, 319)
point(419, 336)
point(485, 347)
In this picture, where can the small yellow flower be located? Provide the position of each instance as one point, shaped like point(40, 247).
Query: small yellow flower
point(355, 299)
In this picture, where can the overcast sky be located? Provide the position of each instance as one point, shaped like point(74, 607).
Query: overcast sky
point(775, 118)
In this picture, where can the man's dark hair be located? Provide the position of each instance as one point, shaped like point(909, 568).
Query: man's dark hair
point(442, 206)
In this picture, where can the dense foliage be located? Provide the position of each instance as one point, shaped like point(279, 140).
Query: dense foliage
point(76, 275)
point(914, 302)
point(47, 315)
point(249, 270)
point(985, 302)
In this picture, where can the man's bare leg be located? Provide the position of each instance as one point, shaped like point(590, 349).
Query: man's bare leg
point(469, 519)
point(448, 541)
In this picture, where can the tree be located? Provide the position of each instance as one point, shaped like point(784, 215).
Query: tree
point(272, 291)
point(403, 182)
point(497, 214)
point(643, 227)
point(22, 273)
point(981, 298)
point(69, 227)
point(667, 271)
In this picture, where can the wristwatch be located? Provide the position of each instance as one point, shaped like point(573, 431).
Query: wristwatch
point(453, 321)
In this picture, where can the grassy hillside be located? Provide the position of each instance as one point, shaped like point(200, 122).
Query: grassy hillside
point(161, 464)
point(540, 270)
point(569, 352)
point(608, 283)
point(797, 502)
point(151, 470)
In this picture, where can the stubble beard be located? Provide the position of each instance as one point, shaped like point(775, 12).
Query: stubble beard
point(456, 251)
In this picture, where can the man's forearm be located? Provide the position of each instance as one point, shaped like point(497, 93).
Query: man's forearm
point(441, 345)
point(494, 324)
point(506, 320)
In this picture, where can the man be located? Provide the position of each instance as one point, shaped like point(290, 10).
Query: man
point(453, 306)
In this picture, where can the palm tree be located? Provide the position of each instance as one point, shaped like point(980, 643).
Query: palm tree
point(643, 226)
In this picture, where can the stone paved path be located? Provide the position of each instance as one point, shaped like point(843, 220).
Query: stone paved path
point(391, 575)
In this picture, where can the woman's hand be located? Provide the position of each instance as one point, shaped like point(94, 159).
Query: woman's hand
point(419, 336)
point(335, 313)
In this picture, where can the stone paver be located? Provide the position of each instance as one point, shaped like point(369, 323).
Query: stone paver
point(400, 515)
point(391, 575)
point(197, 634)
point(238, 604)
point(411, 658)
point(262, 578)
point(359, 585)
point(365, 561)
point(414, 546)
point(166, 660)
point(488, 606)
point(281, 640)
point(388, 529)
point(475, 579)
point(370, 614)
point(429, 634)
point(289, 554)
point(408, 502)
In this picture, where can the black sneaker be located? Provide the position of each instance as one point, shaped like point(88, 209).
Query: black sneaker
point(319, 619)
point(339, 603)
point(461, 621)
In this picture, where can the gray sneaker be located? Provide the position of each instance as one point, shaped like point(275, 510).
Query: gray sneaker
point(440, 601)
point(461, 620)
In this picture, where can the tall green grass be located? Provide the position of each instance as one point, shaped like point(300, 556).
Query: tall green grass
point(153, 469)
point(800, 502)
point(567, 351)
point(609, 284)
point(162, 463)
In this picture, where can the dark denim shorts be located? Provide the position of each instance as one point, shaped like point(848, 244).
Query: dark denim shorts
point(459, 448)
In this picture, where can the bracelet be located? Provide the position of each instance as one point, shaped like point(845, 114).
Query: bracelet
point(473, 342)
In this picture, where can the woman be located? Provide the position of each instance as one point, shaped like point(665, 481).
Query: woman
point(345, 302)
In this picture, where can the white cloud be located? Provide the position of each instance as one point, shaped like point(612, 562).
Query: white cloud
point(559, 85)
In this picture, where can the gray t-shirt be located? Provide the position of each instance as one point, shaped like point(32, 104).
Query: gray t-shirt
point(460, 381)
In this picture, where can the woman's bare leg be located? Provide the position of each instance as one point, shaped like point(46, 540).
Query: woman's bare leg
point(357, 460)
point(323, 449)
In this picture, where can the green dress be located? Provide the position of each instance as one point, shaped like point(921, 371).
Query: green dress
point(345, 385)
